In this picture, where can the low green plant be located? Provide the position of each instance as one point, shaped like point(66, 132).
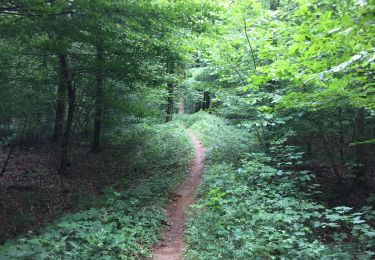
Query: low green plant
point(247, 213)
point(250, 210)
point(234, 142)
point(121, 224)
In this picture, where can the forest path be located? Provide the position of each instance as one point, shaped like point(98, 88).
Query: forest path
point(170, 248)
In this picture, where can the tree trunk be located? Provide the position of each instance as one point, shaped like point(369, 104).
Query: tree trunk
point(99, 100)
point(170, 100)
point(342, 137)
point(3, 169)
point(60, 112)
point(249, 43)
point(181, 106)
point(360, 181)
point(65, 142)
point(170, 89)
point(274, 4)
point(206, 100)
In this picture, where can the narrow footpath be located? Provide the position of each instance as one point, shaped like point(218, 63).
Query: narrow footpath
point(171, 247)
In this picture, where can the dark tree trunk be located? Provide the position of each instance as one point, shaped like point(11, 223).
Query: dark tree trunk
point(5, 164)
point(198, 105)
point(181, 106)
point(65, 142)
point(329, 152)
point(198, 59)
point(99, 100)
point(170, 89)
point(249, 43)
point(170, 101)
point(60, 112)
point(342, 137)
point(61, 108)
point(308, 147)
point(274, 4)
point(360, 181)
point(206, 100)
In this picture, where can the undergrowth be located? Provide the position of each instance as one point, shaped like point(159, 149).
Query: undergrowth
point(209, 129)
point(121, 224)
point(247, 209)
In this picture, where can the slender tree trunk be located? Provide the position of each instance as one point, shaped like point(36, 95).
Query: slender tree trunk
point(308, 147)
point(60, 112)
point(170, 89)
point(360, 181)
point(274, 4)
point(248, 42)
point(197, 59)
point(99, 100)
point(65, 142)
point(61, 107)
point(236, 70)
point(342, 137)
point(170, 100)
point(206, 100)
point(330, 153)
point(181, 106)
point(3, 169)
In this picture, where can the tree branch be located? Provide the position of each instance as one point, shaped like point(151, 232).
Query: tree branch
point(249, 43)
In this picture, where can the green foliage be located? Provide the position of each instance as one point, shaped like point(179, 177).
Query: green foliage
point(295, 78)
point(298, 66)
point(255, 218)
point(121, 224)
point(136, 39)
point(166, 146)
point(254, 211)
point(234, 142)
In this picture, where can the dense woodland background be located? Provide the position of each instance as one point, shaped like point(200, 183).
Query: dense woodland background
point(95, 97)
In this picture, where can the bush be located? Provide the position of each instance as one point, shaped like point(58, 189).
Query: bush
point(247, 213)
point(223, 142)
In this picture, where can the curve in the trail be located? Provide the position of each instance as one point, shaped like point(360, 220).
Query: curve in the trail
point(170, 248)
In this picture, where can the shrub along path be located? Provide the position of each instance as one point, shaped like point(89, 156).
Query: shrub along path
point(171, 246)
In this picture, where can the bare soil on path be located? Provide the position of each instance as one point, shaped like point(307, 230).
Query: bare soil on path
point(171, 247)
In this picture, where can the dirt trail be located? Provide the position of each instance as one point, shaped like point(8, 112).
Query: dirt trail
point(170, 248)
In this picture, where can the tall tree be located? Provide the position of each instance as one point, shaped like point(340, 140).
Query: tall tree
point(66, 140)
point(99, 97)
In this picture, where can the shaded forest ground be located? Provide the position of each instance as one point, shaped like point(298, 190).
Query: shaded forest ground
point(32, 193)
point(122, 191)
point(337, 194)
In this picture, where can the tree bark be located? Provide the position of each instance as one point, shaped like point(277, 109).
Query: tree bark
point(342, 137)
point(96, 146)
point(170, 89)
point(60, 115)
point(249, 43)
point(206, 100)
point(60, 112)
point(181, 105)
point(3, 169)
point(65, 142)
point(360, 181)
point(274, 4)
point(170, 101)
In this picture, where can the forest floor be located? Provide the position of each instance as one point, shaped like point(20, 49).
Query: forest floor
point(171, 246)
point(32, 194)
